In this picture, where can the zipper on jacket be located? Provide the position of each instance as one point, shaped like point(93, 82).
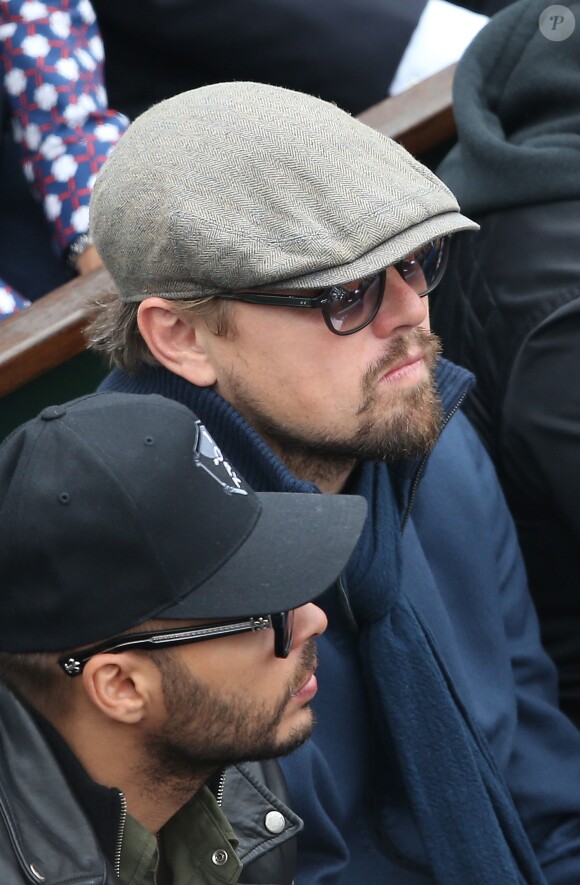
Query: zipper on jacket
point(120, 833)
point(424, 460)
point(219, 794)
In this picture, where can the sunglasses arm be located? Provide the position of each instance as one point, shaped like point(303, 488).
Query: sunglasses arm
point(74, 664)
point(278, 300)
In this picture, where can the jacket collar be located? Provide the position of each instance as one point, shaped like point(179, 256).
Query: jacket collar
point(454, 384)
point(245, 448)
point(103, 806)
point(49, 832)
point(247, 801)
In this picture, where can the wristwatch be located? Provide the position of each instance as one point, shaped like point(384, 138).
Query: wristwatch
point(76, 249)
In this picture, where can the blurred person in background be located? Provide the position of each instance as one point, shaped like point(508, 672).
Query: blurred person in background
point(56, 132)
point(352, 52)
point(509, 306)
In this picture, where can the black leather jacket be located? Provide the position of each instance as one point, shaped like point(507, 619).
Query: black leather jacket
point(57, 826)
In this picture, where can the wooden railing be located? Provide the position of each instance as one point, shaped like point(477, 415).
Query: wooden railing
point(50, 331)
point(420, 118)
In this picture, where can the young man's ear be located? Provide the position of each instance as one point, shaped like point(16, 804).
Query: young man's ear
point(176, 342)
point(119, 689)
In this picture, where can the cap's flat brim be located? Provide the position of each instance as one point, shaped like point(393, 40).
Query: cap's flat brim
point(297, 549)
point(392, 250)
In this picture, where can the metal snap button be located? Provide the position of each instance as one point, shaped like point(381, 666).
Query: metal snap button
point(219, 857)
point(52, 412)
point(275, 822)
point(36, 873)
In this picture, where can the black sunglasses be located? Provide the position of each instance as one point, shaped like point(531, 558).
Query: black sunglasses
point(282, 624)
point(347, 310)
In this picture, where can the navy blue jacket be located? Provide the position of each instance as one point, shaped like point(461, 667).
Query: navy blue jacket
point(463, 571)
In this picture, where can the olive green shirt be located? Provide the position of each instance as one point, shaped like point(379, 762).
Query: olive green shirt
point(197, 848)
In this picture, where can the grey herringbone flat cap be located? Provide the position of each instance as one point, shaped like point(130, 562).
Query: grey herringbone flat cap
point(244, 185)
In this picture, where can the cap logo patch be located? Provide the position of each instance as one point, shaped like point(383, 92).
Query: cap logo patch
point(208, 456)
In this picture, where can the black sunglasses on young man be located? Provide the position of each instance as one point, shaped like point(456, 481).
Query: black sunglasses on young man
point(348, 310)
point(282, 624)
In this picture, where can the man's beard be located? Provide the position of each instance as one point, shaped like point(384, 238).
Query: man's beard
point(410, 426)
point(405, 424)
point(204, 731)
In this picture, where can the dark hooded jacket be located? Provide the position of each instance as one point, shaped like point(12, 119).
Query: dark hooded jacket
point(509, 307)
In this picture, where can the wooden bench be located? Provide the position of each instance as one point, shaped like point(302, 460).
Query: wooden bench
point(50, 332)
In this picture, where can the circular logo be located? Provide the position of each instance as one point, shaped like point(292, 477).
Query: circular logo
point(557, 22)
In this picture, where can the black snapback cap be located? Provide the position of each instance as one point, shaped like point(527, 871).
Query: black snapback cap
point(117, 508)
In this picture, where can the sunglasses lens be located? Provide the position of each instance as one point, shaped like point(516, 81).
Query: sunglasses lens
point(351, 308)
point(424, 268)
point(283, 625)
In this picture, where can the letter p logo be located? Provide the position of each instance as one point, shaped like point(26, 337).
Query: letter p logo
point(557, 23)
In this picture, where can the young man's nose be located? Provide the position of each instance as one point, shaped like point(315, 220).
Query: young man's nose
point(401, 307)
point(309, 621)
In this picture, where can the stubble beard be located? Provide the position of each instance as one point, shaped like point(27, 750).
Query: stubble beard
point(403, 425)
point(204, 732)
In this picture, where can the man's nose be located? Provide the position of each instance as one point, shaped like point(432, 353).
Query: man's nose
point(309, 621)
point(401, 308)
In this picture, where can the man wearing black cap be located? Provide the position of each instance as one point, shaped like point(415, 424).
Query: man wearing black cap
point(271, 255)
point(129, 543)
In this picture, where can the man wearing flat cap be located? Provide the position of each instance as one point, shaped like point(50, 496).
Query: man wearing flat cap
point(155, 629)
point(272, 256)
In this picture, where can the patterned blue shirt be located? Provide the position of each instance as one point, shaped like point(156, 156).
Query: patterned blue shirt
point(51, 73)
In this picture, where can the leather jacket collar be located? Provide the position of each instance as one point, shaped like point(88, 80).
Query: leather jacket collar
point(57, 825)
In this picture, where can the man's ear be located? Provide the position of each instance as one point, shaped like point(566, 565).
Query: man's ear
point(119, 689)
point(178, 343)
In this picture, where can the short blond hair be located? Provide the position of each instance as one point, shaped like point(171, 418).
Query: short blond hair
point(114, 331)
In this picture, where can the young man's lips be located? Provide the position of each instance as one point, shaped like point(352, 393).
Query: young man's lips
point(308, 690)
point(404, 368)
